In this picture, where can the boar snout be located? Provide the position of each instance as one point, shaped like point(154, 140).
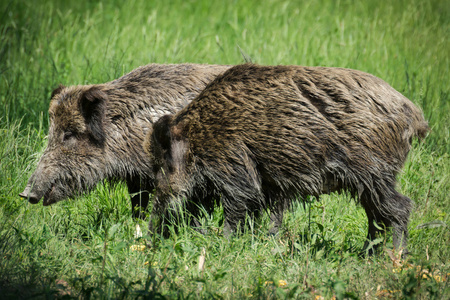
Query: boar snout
point(33, 198)
point(36, 190)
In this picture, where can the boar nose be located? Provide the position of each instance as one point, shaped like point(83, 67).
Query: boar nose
point(32, 198)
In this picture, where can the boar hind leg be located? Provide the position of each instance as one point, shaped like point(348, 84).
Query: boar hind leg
point(401, 207)
point(390, 211)
point(139, 191)
point(376, 226)
point(376, 229)
point(396, 210)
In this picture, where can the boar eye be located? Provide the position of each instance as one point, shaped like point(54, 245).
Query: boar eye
point(68, 135)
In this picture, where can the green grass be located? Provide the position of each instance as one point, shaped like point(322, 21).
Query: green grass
point(81, 248)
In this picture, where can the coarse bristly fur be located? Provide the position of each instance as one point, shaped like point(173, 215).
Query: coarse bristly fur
point(96, 131)
point(258, 136)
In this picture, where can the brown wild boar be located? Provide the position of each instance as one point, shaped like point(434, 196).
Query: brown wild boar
point(96, 131)
point(258, 136)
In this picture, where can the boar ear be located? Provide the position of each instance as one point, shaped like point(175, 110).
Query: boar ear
point(92, 107)
point(161, 132)
point(57, 90)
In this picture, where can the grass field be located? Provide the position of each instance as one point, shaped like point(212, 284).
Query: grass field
point(85, 248)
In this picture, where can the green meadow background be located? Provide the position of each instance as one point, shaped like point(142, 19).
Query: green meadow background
point(85, 248)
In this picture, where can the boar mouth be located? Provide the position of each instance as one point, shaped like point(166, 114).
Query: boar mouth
point(34, 197)
point(47, 197)
point(32, 200)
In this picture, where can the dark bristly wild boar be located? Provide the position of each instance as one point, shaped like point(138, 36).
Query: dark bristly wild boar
point(259, 136)
point(97, 131)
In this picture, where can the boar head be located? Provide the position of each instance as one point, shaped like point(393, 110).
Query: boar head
point(74, 160)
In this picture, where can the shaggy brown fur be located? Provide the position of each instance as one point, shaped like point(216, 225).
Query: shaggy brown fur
point(96, 131)
point(258, 136)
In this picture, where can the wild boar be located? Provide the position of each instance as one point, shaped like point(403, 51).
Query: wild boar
point(258, 136)
point(96, 131)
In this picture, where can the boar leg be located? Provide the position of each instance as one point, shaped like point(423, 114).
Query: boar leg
point(197, 208)
point(139, 190)
point(401, 207)
point(376, 229)
point(234, 213)
point(396, 210)
point(162, 212)
point(276, 220)
point(233, 218)
point(276, 208)
point(376, 226)
point(276, 216)
point(392, 210)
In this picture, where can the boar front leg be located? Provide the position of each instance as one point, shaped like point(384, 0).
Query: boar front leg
point(139, 190)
